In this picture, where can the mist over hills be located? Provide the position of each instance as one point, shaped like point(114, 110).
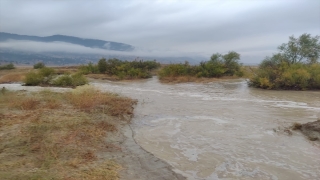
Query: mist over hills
point(69, 50)
point(92, 43)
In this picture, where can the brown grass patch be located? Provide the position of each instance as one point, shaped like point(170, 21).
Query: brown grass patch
point(12, 77)
point(26, 104)
point(88, 99)
point(53, 135)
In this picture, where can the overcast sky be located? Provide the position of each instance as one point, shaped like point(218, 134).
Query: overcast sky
point(200, 27)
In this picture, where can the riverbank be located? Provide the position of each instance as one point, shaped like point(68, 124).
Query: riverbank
point(82, 134)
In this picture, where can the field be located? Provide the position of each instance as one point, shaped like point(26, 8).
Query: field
point(50, 135)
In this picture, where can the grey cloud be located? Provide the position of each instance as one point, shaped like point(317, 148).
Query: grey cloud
point(186, 27)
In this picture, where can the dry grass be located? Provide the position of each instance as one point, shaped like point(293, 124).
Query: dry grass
point(48, 135)
point(86, 98)
point(13, 75)
point(18, 74)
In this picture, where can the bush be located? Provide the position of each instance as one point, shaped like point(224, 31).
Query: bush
point(218, 65)
point(33, 79)
point(63, 81)
point(8, 66)
point(78, 79)
point(45, 76)
point(39, 65)
point(90, 68)
point(46, 71)
point(70, 80)
point(102, 65)
point(295, 67)
point(121, 69)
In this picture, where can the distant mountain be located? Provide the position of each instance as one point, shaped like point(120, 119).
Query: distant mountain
point(56, 57)
point(92, 43)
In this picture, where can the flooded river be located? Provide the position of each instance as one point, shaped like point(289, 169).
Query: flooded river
point(224, 130)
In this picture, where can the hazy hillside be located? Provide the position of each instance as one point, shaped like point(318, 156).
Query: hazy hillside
point(30, 55)
point(92, 43)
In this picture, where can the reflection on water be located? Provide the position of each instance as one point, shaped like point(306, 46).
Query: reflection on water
point(224, 130)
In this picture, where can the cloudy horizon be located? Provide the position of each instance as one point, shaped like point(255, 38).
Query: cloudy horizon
point(170, 27)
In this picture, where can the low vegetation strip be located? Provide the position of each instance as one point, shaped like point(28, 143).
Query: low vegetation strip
point(48, 77)
point(218, 66)
point(8, 66)
point(48, 135)
point(118, 70)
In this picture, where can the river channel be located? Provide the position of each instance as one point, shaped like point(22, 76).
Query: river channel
point(224, 130)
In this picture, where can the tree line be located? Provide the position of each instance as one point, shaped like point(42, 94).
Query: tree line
point(296, 66)
point(219, 65)
point(121, 69)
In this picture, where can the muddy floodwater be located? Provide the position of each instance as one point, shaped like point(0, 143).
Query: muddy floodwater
point(224, 130)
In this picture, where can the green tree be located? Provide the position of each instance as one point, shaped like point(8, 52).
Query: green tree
point(294, 67)
point(231, 61)
point(302, 49)
point(102, 65)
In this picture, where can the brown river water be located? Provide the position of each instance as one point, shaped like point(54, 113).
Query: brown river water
point(223, 130)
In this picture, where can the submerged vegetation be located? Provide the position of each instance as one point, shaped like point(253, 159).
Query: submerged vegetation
point(48, 135)
point(219, 65)
point(295, 67)
point(47, 77)
point(311, 129)
point(121, 69)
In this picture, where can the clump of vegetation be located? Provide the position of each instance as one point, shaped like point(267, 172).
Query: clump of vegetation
point(219, 65)
point(296, 126)
point(39, 65)
point(47, 77)
point(295, 67)
point(45, 135)
point(121, 69)
point(8, 66)
point(33, 79)
point(87, 98)
point(310, 129)
point(70, 80)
